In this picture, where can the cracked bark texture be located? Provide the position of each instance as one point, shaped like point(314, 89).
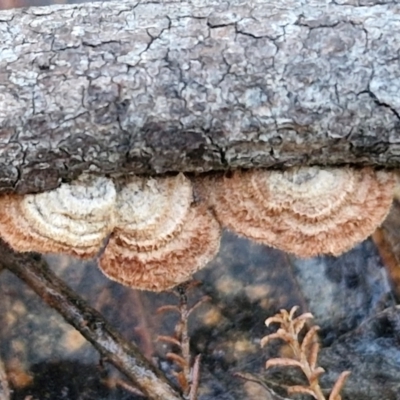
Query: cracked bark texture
point(150, 87)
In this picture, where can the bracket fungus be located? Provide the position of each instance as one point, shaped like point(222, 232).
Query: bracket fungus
point(149, 211)
point(72, 219)
point(160, 238)
point(306, 211)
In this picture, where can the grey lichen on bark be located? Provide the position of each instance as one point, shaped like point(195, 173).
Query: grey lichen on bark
point(150, 87)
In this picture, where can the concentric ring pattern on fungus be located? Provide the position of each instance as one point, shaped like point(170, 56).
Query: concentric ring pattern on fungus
point(306, 211)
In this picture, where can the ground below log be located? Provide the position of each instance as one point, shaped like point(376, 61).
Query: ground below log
point(247, 283)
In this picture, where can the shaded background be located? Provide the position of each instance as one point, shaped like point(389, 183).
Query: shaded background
point(353, 299)
point(350, 296)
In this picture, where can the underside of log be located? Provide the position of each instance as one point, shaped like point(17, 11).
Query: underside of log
point(150, 87)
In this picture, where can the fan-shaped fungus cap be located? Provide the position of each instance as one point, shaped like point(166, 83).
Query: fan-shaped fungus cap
point(72, 219)
point(306, 211)
point(170, 262)
point(150, 211)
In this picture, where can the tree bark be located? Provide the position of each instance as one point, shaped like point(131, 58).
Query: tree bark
point(150, 87)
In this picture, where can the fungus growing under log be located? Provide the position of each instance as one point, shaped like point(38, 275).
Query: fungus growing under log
point(149, 211)
point(306, 211)
point(169, 262)
point(73, 219)
point(159, 236)
point(160, 239)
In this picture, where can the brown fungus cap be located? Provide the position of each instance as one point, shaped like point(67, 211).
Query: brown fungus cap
point(150, 211)
point(169, 263)
point(306, 211)
point(73, 219)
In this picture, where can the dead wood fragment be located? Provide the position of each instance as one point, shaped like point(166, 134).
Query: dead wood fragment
point(124, 355)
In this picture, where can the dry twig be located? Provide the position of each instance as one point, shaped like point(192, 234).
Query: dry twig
point(189, 375)
point(252, 378)
point(305, 353)
point(124, 355)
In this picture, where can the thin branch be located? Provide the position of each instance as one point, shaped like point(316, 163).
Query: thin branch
point(251, 378)
point(195, 378)
point(124, 355)
point(305, 353)
point(189, 372)
point(341, 380)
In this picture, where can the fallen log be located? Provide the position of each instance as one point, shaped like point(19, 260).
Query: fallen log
point(150, 87)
